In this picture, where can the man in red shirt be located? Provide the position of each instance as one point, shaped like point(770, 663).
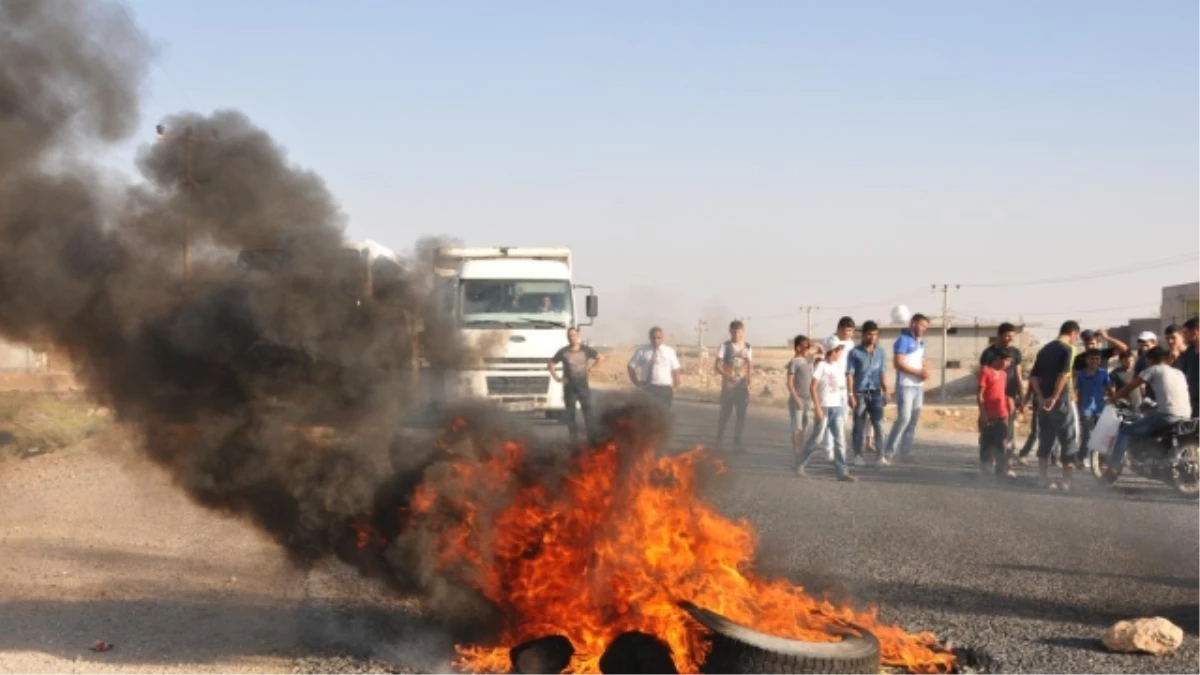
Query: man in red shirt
point(993, 414)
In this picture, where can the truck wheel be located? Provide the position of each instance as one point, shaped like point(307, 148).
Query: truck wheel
point(738, 649)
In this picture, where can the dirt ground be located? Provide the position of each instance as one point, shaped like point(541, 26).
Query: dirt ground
point(97, 545)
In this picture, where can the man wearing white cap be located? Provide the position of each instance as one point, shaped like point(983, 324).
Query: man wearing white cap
point(1146, 340)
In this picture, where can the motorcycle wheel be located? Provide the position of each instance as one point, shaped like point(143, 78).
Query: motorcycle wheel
point(1186, 474)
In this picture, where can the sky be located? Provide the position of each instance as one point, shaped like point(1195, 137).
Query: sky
point(707, 160)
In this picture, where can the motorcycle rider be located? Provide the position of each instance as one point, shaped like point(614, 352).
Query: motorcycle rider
point(1170, 387)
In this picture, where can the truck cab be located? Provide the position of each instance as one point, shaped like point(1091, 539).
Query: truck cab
point(514, 305)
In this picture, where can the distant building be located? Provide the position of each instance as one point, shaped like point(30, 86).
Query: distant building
point(1180, 303)
point(964, 344)
point(1129, 332)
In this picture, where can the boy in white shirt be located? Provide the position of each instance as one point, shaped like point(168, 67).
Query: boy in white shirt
point(828, 390)
point(844, 337)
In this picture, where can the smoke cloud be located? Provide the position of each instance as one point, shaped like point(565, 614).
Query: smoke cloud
point(222, 372)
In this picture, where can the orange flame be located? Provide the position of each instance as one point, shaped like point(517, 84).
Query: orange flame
point(365, 534)
point(613, 550)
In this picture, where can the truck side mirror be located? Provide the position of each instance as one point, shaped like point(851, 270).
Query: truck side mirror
point(593, 306)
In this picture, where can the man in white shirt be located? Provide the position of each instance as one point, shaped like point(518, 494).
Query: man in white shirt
point(654, 368)
point(844, 337)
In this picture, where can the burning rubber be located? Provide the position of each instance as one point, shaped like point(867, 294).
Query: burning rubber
point(738, 649)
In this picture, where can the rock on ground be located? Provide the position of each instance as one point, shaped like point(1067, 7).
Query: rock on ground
point(1151, 635)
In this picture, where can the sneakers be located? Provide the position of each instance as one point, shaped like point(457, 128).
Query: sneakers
point(800, 473)
point(1087, 462)
point(829, 454)
point(858, 461)
point(1023, 461)
point(884, 460)
point(846, 478)
point(1010, 474)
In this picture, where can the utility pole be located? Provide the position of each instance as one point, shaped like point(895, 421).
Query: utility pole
point(188, 137)
point(945, 333)
point(809, 309)
point(701, 325)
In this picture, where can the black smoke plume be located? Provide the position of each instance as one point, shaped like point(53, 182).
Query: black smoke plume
point(274, 331)
point(220, 372)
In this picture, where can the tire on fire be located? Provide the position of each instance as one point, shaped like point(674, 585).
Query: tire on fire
point(738, 649)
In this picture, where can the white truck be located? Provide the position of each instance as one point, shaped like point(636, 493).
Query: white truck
point(516, 303)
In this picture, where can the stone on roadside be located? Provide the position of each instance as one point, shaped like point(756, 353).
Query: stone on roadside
point(1153, 635)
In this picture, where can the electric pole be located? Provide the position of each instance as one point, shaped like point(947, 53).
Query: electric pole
point(809, 309)
point(701, 325)
point(945, 333)
point(188, 137)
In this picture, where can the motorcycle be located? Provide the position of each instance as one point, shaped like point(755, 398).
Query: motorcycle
point(1171, 456)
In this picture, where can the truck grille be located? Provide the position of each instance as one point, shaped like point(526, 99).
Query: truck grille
point(503, 386)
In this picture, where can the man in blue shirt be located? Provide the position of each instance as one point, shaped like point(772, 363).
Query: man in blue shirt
point(868, 391)
point(908, 357)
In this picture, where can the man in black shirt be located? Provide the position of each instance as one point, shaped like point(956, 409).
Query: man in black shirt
point(1050, 382)
point(1189, 363)
point(574, 360)
point(1091, 340)
point(1006, 334)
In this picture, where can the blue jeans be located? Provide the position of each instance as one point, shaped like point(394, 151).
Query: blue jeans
point(1151, 424)
point(834, 422)
point(867, 404)
point(909, 400)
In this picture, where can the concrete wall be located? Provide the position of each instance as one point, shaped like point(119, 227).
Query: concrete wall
point(1180, 303)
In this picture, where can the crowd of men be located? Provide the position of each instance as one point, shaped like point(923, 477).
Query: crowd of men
point(837, 381)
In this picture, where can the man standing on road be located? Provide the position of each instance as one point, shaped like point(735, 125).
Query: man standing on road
point(827, 390)
point(1006, 336)
point(1146, 341)
point(1175, 343)
point(867, 387)
point(798, 377)
point(1050, 382)
point(1091, 341)
point(844, 337)
point(575, 369)
point(733, 364)
point(654, 368)
point(1189, 363)
point(908, 358)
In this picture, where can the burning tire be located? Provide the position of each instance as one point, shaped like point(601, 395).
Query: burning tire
point(738, 649)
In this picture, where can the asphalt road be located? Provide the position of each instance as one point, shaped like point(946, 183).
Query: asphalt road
point(1030, 577)
point(99, 545)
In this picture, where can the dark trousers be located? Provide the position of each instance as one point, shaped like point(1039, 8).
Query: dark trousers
point(661, 393)
point(993, 445)
point(1034, 429)
point(735, 398)
point(579, 393)
point(1057, 425)
point(867, 405)
point(1086, 424)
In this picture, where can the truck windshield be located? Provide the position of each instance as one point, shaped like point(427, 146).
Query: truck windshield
point(513, 302)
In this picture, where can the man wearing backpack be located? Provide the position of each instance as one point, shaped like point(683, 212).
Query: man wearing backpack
point(733, 364)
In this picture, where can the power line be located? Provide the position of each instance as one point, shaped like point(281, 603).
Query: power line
point(1115, 271)
point(1065, 312)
